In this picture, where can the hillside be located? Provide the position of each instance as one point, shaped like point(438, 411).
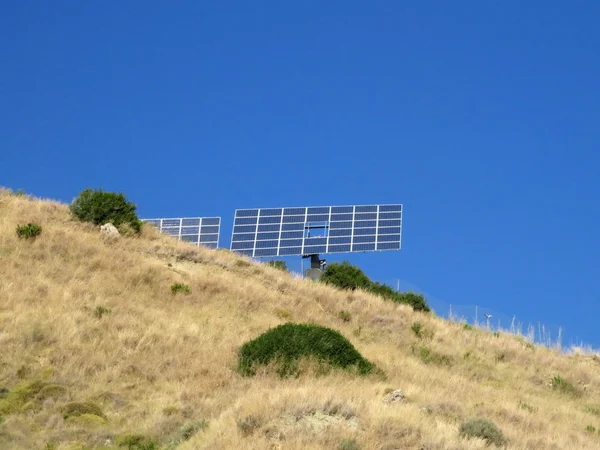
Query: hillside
point(84, 320)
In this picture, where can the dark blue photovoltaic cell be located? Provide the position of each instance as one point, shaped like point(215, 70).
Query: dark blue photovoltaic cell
point(363, 231)
point(209, 230)
point(246, 212)
point(341, 209)
point(266, 252)
point(267, 236)
point(335, 225)
point(363, 239)
point(292, 226)
point(340, 217)
point(171, 222)
point(313, 250)
point(344, 232)
point(339, 248)
point(190, 238)
point(190, 222)
point(266, 244)
point(293, 219)
point(243, 237)
point(317, 218)
point(390, 230)
point(365, 224)
point(363, 247)
point(270, 212)
point(242, 245)
point(244, 229)
point(339, 240)
point(246, 221)
point(208, 238)
point(365, 209)
point(245, 252)
point(192, 230)
point(390, 223)
point(264, 220)
point(390, 215)
point(318, 210)
point(388, 237)
point(263, 228)
point(290, 251)
point(291, 243)
point(292, 234)
point(211, 221)
point(390, 208)
point(171, 231)
point(293, 211)
point(388, 246)
point(370, 216)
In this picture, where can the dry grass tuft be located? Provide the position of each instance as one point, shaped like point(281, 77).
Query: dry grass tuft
point(91, 330)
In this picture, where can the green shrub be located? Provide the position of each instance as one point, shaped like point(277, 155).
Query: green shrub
point(428, 356)
point(286, 344)
point(180, 287)
point(78, 408)
point(527, 407)
point(467, 326)
point(346, 276)
point(590, 429)
point(417, 327)
point(564, 386)
point(31, 230)
point(281, 265)
point(349, 444)
point(136, 442)
point(185, 433)
point(101, 311)
point(2, 419)
point(595, 410)
point(345, 316)
point(99, 207)
point(483, 429)
point(283, 313)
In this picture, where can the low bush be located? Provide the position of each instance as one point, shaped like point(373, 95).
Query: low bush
point(99, 207)
point(29, 231)
point(136, 442)
point(185, 433)
point(180, 287)
point(281, 265)
point(286, 344)
point(101, 311)
point(78, 408)
point(483, 429)
point(249, 425)
point(428, 356)
point(345, 316)
point(417, 327)
point(346, 276)
point(564, 386)
point(468, 326)
point(349, 444)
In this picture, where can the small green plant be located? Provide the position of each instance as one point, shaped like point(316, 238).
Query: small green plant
point(496, 334)
point(428, 356)
point(527, 407)
point(185, 433)
point(595, 410)
point(180, 287)
point(75, 409)
point(281, 265)
point(564, 386)
point(99, 208)
point(417, 328)
point(19, 193)
point(483, 429)
point(345, 316)
point(286, 344)
point(101, 311)
point(50, 446)
point(249, 425)
point(283, 313)
point(590, 429)
point(136, 442)
point(29, 231)
point(467, 326)
point(349, 444)
point(2, 419)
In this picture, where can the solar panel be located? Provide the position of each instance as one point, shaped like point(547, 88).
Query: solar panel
point(196, 230)
point(315, 230)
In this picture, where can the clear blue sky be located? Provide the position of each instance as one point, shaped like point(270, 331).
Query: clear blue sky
point(481, 118)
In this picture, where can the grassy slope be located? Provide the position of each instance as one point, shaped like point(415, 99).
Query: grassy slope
point(158, 361)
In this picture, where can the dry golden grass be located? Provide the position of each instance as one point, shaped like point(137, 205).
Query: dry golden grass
point(158, 361)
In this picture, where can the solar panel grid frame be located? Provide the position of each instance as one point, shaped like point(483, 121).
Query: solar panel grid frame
point(265, 232)
point(203, 231)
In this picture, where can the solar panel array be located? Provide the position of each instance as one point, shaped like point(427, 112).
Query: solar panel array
point(314, 230)
point(196, 230)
